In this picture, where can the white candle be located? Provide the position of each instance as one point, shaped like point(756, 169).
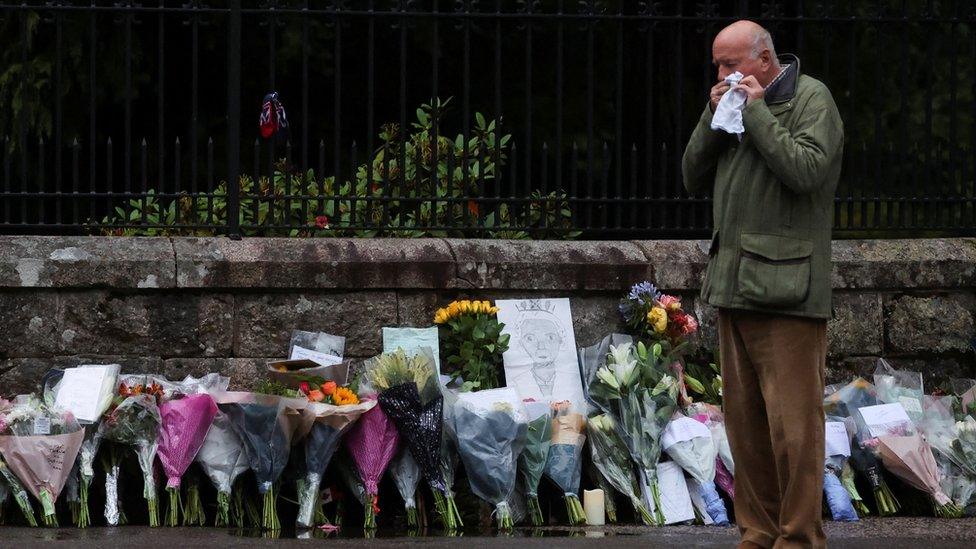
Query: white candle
point(593, 506)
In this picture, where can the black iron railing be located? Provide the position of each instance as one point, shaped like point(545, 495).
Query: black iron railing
point(462, 117)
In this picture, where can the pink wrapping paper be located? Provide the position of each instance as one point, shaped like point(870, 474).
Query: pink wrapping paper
point(183, 430)
point(372, 441)
point(42, 463)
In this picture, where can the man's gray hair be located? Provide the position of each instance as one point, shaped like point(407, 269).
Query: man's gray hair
point(763, 41)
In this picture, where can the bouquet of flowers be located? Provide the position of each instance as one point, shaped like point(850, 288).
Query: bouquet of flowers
point(690, 445)
point(901, 386)
point(713, 418)
point(903, 452)
point(39, 445)
point(406, 476)
point(410, 395)
point(133, 420)
point(837, 449)
point(491, 427)
point(472, 341)
point(842, 401)
point(631, 384)
point(372, 442)
point(10, 482)
point(610, 455)
point(267, 425)
point(449, 461)
point(334, 409)
point(655, 316)
point(69, 397)
point(564, 464)
point(532, 460)
point(948, 439)
point(223, 458)
point(184, 426)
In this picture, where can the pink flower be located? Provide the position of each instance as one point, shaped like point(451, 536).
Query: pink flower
point(322, 222)
point(670, 302)
point(691, 325)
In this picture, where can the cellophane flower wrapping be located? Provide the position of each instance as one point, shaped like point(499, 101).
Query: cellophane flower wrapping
point(491, 427)
point(325, 432)
point(93, 439)
point(223, 458)
point(134, 423)
point(183, 430)
point(904, 453)
point(950, 440)
point(39, 446)
point(564, 463)
point(902, 386)
point(610, 456)
point(696, 455)
point(633, 385)
point(843, 401)
point(267, 424)
point(406, 476)
point(16, 490)
point(532, 460)
point(372, 442)
point(449, 459)
point(836, 495)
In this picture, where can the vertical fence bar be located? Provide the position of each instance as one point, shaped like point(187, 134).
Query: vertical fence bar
point(305, 119)
point(402, 156)
point(233, 119)
point(161, 95)
point(337, 113)
point(527, 146)
point(127, 146)
point(370, 116)
point(559, 99)
point(25, 77)
point(590, 93)
point(194, 99)
point(58, 47)
point(618, 144)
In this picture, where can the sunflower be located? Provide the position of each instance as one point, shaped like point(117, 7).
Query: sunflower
point(343, 396)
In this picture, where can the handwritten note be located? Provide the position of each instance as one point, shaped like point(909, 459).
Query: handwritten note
point(838, 441)
point(42, 426)
point(412, 340)
point(320, 358)
point(682, 429)
point(911, 404)
point(882, 418)
point(80, 392)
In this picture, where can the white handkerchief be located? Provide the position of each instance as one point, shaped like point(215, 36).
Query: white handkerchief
point(728, 113)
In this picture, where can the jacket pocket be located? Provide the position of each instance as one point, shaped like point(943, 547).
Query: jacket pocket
point(774, 270)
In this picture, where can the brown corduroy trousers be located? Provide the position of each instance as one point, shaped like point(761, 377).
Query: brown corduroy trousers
point(773, 383)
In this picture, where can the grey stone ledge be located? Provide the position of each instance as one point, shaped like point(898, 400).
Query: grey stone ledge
point(325, 263)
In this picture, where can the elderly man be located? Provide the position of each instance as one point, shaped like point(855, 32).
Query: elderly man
point(769, 275)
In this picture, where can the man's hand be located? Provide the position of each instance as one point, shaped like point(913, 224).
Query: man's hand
point(718, 90)
point(752, 88)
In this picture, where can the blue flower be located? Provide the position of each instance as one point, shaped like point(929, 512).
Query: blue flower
point(626, 308)
point(643, 293)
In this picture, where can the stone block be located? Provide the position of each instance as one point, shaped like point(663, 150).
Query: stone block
point(29, 324)
point(310, 263)
point(157, 324)
point(264, 322)
point(677, 265)
point(927, 324)
point(857, 327)
point(548, 265)
point(68, 261)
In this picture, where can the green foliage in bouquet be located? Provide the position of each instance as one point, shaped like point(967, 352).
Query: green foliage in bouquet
point(472, 342)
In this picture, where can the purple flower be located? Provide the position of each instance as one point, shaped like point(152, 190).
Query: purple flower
point(643, 293)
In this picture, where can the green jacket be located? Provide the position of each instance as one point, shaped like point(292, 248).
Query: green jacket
point(773, 198)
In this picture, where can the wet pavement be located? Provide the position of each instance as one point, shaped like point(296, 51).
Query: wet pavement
point(888, 533)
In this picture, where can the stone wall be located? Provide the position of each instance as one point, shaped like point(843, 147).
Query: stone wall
point(192, 305)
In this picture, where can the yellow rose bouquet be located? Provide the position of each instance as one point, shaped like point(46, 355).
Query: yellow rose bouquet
point(472, 342)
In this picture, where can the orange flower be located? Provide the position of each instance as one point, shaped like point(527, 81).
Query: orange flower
point(316, 396)
point(343, 396)
point(329, 387)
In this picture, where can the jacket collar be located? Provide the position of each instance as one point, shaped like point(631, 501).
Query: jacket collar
point(783, 87)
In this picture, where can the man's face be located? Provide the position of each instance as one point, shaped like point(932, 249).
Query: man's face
point(541, 339)
point(729, 56)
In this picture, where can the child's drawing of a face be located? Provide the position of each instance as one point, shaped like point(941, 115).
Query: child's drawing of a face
point(541, 339)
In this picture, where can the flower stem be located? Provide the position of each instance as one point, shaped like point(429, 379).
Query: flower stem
point(173, 516)
point(658, 513)
point(84, 519)
point(223, 510)
point(535, 510)
point(270, 521)
point(641, 509)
